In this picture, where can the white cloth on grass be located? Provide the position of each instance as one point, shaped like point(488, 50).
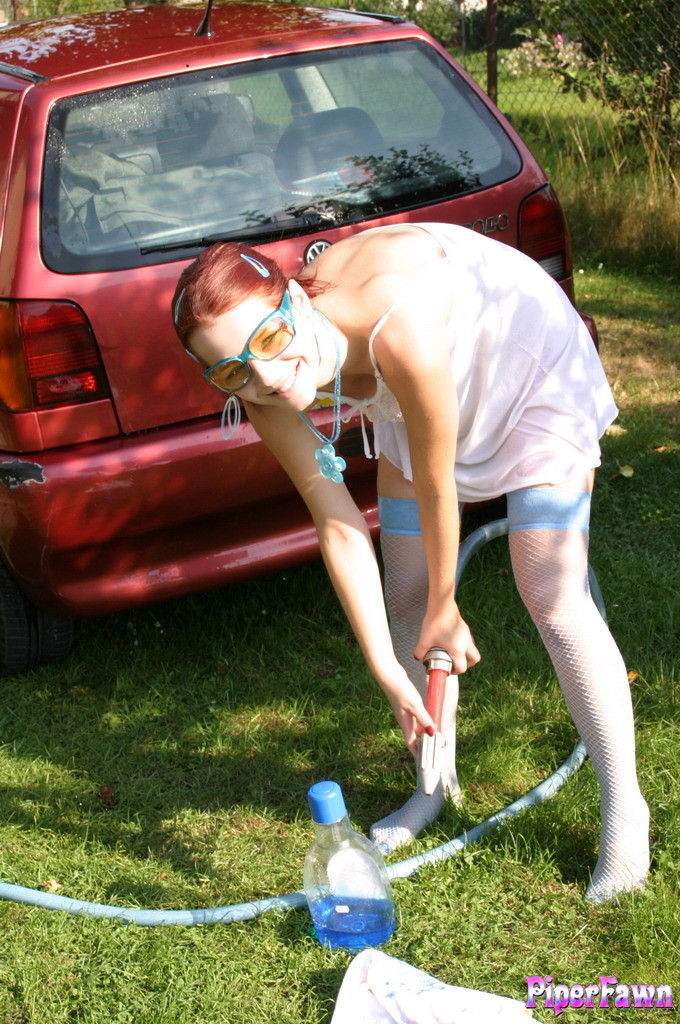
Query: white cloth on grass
point(379, 989)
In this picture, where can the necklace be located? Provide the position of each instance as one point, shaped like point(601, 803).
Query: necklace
point(331, 466)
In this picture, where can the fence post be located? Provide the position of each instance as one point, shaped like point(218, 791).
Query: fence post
point(491, 52)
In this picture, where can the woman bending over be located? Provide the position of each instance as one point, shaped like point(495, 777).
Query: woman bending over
point(481, 381)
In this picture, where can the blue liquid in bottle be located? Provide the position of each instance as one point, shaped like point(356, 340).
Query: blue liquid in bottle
point(345, 879)
point(353, 924)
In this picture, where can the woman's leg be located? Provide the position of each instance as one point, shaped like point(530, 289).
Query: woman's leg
point(406, 596)
point(549, 549)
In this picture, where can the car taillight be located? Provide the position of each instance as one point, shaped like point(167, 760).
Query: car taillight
point(48, 356)
point(543, 233)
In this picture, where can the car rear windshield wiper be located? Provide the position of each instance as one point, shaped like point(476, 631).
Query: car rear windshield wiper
point(271, 232)
point(189, 243)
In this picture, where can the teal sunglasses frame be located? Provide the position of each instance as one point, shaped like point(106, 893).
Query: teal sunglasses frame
point(285, 312)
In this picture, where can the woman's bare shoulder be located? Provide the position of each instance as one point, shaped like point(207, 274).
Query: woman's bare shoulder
point(367, 272)
point(367, 255)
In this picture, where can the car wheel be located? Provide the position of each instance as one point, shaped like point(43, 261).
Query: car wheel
point(29, 636)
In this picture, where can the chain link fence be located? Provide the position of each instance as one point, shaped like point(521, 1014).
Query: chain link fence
point(535, 56)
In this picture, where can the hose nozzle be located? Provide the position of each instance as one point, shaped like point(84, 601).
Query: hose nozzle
point(438, 666)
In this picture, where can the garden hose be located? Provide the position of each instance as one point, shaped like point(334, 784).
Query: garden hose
point(255, 908)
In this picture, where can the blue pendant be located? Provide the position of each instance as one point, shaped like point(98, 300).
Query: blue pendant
point(331, 466)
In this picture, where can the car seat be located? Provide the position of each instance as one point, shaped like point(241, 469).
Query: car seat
point(330, 140)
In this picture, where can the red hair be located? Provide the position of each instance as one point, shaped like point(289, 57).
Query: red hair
point(223, 276)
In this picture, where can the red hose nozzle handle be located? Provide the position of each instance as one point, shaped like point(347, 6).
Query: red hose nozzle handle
point(438, 666)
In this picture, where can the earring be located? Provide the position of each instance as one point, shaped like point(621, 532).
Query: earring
point(231, 415)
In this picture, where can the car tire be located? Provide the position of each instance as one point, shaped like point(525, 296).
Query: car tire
point(29, 636)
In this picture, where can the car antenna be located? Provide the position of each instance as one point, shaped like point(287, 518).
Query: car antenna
point(205, 28)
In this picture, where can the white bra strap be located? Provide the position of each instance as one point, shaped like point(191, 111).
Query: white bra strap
point(378, 327)
point(395, 305)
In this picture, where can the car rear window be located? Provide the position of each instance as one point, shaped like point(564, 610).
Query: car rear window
point(147, 172)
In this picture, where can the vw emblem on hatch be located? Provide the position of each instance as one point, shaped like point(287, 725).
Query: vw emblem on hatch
point(315, 249)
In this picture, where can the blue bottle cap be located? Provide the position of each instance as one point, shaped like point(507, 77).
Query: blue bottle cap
point(326, 803)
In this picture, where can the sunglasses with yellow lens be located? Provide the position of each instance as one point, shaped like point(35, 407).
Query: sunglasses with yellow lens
point(271, 337)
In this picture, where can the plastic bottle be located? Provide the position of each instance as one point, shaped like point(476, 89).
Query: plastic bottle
point(345, 879)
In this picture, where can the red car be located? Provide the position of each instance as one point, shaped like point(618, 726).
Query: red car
point(130, 140)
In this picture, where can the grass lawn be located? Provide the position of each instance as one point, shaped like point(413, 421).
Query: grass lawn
point(166, 763)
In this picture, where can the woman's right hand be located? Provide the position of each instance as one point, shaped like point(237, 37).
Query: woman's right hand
point(448, 630)
point(408, 708)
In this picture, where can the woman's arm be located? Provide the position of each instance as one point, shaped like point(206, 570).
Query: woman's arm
point(413, 356)
point(349, 556)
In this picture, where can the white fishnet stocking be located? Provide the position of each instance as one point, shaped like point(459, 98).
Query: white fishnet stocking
point(551, 568)
point(406, 596)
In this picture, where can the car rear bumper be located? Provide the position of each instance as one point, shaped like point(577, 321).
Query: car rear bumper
point(102, 527)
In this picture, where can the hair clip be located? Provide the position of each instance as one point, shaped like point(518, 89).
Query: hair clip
point(175, 308)
point(262, 270)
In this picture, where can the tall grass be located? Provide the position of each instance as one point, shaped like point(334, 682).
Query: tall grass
point(621, 199)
